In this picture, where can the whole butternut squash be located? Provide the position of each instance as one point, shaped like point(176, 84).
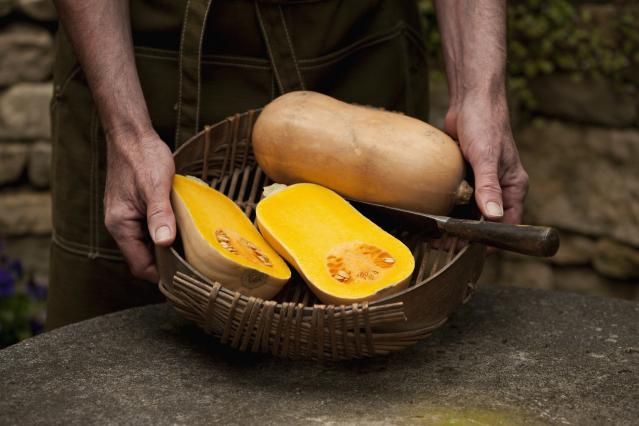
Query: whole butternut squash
point(360, 152)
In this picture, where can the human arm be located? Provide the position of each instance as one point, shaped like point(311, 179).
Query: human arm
point(474, 47)
point(140, 167)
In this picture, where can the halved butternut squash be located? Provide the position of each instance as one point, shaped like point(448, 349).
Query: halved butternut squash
point(222, 244)
point(343, 256)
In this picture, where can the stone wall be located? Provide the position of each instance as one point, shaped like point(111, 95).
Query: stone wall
point(26, 57)
point(583, 157)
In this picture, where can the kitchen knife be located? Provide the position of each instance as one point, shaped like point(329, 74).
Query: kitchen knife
point(524, 239)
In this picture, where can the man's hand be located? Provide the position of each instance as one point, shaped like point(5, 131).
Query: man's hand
point(140, 167)
point(140, 171)
point(485, 137)
point(474, 45)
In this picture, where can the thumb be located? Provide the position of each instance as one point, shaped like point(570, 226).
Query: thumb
point(160, 218)
point(488, 190)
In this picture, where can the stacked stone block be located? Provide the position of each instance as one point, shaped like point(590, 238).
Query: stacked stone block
point(26, 57)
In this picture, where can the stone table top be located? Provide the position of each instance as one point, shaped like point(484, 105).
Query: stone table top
point(511, 356)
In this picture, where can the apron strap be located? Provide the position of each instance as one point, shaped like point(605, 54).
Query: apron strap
point(278, 42)
point(188, 100)
point(279, 45)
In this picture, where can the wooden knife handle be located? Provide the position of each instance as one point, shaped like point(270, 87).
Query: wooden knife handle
point(524, 239)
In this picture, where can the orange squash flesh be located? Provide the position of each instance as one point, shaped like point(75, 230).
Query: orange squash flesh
point(222, 244)
point(343, 256)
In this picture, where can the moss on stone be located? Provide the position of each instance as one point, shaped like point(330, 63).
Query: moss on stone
point(586, 41)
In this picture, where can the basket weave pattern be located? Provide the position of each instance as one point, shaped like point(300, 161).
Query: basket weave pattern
point(295, 325)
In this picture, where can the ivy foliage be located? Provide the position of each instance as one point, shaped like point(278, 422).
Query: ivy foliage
point(586, 41)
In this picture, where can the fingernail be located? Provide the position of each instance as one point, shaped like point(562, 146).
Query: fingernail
point(494, 209)
point(162, 234)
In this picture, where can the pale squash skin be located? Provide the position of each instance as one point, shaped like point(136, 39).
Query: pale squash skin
point(306, 222)
point(360, 152)
point(211, 263)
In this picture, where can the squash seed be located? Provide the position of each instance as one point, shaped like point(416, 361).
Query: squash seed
point(345, 275)
point(241, 246)
point(221, 236)
point(357, 261)
point(263, 258)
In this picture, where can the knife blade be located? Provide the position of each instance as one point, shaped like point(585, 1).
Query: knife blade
point(540, 241)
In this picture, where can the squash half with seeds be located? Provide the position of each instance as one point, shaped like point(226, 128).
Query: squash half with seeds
point(222, 244)
point(343, 256)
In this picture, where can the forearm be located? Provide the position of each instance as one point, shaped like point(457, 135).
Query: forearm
point(474, 47)
point(100, 32)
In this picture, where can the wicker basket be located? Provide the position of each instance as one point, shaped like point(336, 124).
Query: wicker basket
point(295, 325)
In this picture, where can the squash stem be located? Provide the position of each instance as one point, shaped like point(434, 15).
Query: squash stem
point(464, 193)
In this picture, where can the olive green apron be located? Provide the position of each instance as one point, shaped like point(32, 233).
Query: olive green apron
point(200, 61)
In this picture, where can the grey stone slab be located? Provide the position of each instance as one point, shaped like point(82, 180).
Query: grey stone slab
point(5, 7)
point(589, 101)
point(40, 10)
point(584, 280)
point(26, 54)
point(39, 168)
point(25, 212)
point(511, 356)
point(583, 179)
point(575, 250)
point(616, 260)
point(13, 160)
point(24, 111)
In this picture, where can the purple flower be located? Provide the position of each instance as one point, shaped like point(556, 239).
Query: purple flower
point(7, 284)
point(36, 291)
point(15, 266)
point(36, 326)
